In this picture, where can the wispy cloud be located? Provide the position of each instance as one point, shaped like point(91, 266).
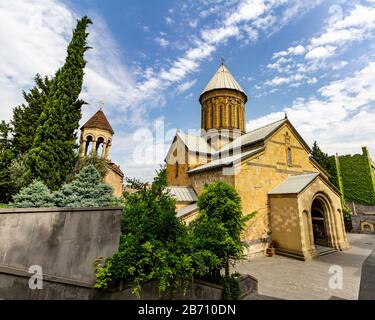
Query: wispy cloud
point(341, 119)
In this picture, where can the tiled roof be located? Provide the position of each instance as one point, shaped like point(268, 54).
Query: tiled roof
point(222, 79)
point(98, 121)
point(294, 184)
point(226, 161)
point(195, 143)
point(184, 194)
point(254, 135)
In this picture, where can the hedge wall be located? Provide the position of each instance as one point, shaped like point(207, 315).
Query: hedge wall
point(357, 178)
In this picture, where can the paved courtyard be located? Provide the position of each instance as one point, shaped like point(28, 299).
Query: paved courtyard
point(287, 278)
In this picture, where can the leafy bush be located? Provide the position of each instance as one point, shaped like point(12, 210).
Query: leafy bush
point(36, 195)
point(156, 246)
point(220, 224)
point(231, 287)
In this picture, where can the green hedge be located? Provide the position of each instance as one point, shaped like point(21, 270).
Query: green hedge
point(357, 178)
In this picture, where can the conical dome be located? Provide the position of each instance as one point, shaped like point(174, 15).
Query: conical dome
point(98, 121)
point(223, 79)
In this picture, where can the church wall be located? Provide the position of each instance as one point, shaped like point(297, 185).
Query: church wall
point(259, 175)
point(285, 223)
point(199, 180)
point(116, 181)
point(182, 160)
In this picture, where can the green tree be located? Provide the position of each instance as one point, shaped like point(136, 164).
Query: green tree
point(321, 157)
point(6, 157)
point(86, 190)
point(53, 153)
point(154, 244)
point(220, 224)
point(100, 164)
point(36, 195)
point(26, 116)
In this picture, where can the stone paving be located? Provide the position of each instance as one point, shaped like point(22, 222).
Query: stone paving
point(285, 278)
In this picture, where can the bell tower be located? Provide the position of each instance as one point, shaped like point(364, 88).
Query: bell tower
point(223, 104)
point(96, 136)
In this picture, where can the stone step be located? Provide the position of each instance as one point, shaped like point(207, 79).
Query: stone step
point(324, 250)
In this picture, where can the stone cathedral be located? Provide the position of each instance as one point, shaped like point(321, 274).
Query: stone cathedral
point(270, 167)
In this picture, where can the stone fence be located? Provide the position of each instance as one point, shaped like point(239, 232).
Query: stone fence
point(64, 243)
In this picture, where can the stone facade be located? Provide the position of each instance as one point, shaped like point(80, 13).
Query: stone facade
point(254, 164)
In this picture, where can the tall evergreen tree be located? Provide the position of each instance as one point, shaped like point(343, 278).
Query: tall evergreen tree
point(320, 157)
point(6, 156)
point(26, 116)
point(53, 155)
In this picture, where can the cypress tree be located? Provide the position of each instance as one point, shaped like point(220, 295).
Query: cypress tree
point(26, 116)
point(53, 153)
point(6, 156)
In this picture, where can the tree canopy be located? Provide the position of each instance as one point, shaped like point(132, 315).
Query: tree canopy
point(53, 153)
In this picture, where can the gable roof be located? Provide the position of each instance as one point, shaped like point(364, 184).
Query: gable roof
point(98, 121)
point(255, 135)
point(183, 194)
point(195, 143)
point(226, 161)
point(223, 79)
point(294, 184)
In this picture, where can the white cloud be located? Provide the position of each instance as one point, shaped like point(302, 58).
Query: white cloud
point(215, 36)
point(342, 119)
point(320, 53)
point(162, 42)
point(185, 86)
point(247, 10)
point(169, 21)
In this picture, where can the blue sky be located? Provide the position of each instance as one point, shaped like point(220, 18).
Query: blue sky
point(313, 59)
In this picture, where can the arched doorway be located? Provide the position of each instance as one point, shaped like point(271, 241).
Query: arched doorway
point(318, 214)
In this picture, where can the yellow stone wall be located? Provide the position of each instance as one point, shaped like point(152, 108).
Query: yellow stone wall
point(182, 160)
point(223, 109)
point(199, 180)
point(116, 181)
point(257, 176)
point(285, 222)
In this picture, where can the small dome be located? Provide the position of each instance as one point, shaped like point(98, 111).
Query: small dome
point(223, 79)
point(98, 121)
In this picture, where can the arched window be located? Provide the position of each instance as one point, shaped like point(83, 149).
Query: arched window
point(89, 145)
point(290, 157)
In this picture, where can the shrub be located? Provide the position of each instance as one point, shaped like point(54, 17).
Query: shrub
point(231, 287)
point(86, 190)
point(220, 224)
point(36, 195)
point(154, 244)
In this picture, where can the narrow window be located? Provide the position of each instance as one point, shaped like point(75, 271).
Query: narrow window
point(221, 115)
point(289, 157)
point(176, 169)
